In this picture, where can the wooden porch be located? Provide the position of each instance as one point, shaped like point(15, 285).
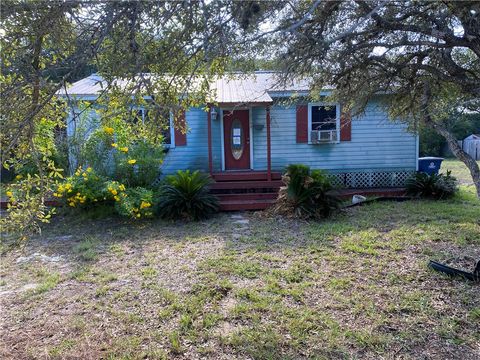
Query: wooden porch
point(246, 190)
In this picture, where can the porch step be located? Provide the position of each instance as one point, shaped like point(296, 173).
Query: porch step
point(247, 196)
point(238, 205)
point(245, 176)
point(230, 185)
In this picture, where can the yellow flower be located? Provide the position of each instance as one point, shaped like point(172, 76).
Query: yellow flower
point(138, 215)
point(9, 194)
point(114, 192)
point(117, 198)
point(77, 173)
point(18, 177)
point(72, 204)
point(68, 186)
point(132, 161)
point(145, 204)
point(114, 145)
point(121, 187)
point(124, 149)
point(89, 169)
point(108, 130)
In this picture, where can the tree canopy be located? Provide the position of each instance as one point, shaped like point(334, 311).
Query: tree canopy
point(425, 55)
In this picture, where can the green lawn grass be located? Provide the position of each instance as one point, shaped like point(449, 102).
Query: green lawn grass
point(354, 286)
point(458, 169)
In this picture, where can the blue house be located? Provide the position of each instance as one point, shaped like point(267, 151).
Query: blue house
point(256, 128)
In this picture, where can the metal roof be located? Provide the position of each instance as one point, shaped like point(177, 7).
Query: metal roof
point(229, 89)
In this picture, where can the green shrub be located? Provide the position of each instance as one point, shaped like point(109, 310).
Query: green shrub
point(83, 189)
point(140, 166)
point(435, 186)
point(133, 162)
point(87, 190)
point(186, 195)
point(306, 193)
point(135, 202)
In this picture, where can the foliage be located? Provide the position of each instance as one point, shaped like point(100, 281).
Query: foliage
point(83, 189)
point(186, 195)
point(26, 208)
point(436, 186)
point(135, 203)
point(87, 190)
point(117, 152)
point(306, 193)
point(47, 44)
point(140, 166)
point(460, 124)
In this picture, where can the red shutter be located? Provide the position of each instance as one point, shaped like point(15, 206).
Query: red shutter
point(180, 129)
point(345, 126)
point(302, 124)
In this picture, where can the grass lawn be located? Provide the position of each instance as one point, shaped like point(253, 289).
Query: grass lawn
point(459, 170)
point(247, 286)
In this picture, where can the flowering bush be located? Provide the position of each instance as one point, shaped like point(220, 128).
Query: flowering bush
point(114, 191)
point(135, 202)
point(86, 189)
point(82, 189)
point(131, 160)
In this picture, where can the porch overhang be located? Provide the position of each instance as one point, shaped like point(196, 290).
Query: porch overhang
point(244, 104)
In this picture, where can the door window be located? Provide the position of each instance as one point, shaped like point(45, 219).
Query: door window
point(237, 139)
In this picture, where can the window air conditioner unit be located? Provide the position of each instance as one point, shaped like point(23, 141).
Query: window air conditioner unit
point(323, 136)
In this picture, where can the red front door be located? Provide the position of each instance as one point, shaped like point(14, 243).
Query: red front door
point(236, 136)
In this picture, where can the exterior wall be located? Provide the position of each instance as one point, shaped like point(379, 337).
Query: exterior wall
point(377, 144)
point(195, 154)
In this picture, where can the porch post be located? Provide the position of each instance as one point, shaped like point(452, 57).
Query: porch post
point(209, 120)
point(269, 150)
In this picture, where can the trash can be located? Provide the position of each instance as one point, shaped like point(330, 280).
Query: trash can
point(429, 164)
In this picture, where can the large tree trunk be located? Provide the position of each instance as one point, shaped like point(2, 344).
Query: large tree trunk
point(461, 155)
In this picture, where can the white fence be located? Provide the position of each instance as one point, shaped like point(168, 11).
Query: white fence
point(471, 147)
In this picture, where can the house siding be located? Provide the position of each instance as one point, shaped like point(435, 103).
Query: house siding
point(377, 143)
point(194, 155)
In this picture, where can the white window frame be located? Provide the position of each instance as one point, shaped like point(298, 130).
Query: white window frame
point(172, 129)
point(337, 112)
